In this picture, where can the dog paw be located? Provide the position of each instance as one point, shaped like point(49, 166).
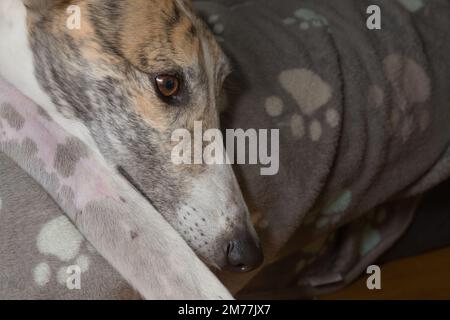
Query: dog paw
point(307, 19)
point(311, 95)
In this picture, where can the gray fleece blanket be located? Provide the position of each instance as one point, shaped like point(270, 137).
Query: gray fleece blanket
point(363, 118)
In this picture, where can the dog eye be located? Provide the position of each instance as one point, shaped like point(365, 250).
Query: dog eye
point(168, 85)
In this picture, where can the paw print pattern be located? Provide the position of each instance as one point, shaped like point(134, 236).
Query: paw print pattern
point(259, 221)
point(411, 89)
point(311, 253)
point(332, 213)
point(369, 241)
point(412, 5)
point(216, 26)
point(311, 94)
point(307, 19)
point(59, 238)
point(329, 213)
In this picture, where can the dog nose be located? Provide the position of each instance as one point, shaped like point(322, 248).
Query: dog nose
point(243, 255)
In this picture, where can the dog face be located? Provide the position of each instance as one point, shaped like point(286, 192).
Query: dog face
point(134, 72)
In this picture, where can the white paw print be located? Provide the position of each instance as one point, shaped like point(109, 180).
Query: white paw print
point(411, 91)
point(59, 238)
point(412, 5)
point(310, 93)
point(307, 19)
point(216, 26)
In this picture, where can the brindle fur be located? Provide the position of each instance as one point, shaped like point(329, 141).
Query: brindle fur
point(103, 75)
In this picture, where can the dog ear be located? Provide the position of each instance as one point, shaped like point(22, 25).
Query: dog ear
point(37, 9)
point(36, 6)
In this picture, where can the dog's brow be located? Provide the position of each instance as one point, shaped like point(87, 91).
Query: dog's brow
point(174, 17)
point(165, 64)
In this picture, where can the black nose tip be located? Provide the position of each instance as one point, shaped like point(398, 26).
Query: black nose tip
point(243, 256)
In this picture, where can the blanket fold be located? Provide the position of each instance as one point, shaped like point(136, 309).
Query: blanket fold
point(363, 118)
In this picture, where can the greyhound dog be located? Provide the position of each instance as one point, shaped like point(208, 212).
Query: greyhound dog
point(121, 83)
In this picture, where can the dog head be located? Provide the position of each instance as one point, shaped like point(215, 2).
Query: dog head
point(133, 72)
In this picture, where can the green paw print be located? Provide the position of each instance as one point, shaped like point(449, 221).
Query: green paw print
point(307, 19)
point(369, 241)
point(331, 214)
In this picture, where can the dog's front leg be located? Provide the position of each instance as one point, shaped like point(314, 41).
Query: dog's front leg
point(116, 219)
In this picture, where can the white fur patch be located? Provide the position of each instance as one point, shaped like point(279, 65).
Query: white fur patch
point(59, 238)
point(17, 67)
point(16, 57)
